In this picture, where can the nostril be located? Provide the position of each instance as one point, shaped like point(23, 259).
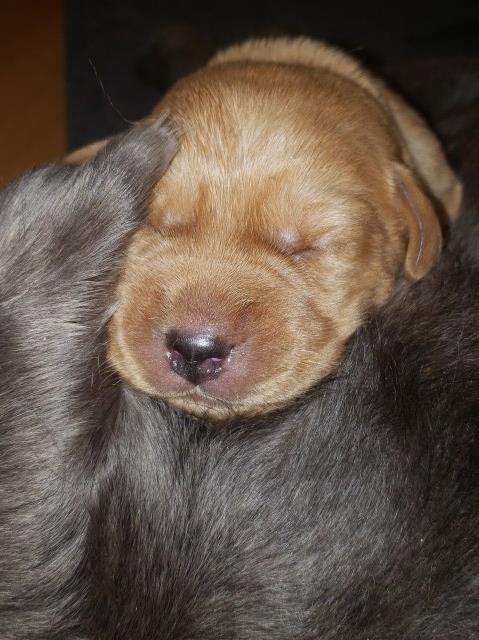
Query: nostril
point(196, 357)
point(197, 347)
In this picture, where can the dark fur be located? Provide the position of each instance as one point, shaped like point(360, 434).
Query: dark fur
point(354, 515)
point(62, 231)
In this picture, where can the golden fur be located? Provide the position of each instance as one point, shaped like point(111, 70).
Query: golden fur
point(303, 189)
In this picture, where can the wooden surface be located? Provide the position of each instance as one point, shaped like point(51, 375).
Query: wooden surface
point(32, 85)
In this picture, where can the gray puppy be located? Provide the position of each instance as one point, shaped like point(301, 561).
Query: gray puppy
point(62, 232)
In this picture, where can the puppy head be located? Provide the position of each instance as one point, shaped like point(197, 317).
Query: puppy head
point(286, 215)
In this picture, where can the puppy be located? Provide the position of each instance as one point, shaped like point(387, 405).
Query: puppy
point(351, 515)
point(303, 190)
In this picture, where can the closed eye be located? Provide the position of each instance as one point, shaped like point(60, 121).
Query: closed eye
point(292, 244)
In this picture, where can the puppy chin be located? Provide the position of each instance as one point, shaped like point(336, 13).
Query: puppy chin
point(203, 403)
point(200, 404)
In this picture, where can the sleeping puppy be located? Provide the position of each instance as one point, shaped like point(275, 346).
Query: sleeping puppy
point(352, 514)
point(303, 190)
point(62, 233)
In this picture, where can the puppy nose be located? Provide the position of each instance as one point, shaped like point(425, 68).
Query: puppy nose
point(196, 357)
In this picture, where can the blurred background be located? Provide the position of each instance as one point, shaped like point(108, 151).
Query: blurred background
point(77, 70)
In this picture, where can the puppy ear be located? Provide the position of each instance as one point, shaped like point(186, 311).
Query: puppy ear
point(424, 149)
point(424, 230)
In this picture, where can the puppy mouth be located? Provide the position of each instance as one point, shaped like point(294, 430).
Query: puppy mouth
point(202, 404)
point(202, 397)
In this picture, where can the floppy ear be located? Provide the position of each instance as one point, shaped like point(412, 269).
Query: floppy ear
point(424, 230)
point(428, 157)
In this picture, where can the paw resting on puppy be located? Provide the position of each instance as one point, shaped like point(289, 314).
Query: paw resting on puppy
point(302, 191)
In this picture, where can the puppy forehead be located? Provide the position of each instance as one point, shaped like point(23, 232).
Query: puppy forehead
point(263, 117)
point(266, 151)
point(242, 96)
point(277, 208)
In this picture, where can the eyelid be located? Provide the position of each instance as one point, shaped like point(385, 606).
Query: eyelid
point(290, 243)
point(287, 241)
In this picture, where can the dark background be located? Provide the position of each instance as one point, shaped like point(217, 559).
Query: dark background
point(120, 56)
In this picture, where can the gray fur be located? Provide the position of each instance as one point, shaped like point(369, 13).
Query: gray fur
point(353, 515)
